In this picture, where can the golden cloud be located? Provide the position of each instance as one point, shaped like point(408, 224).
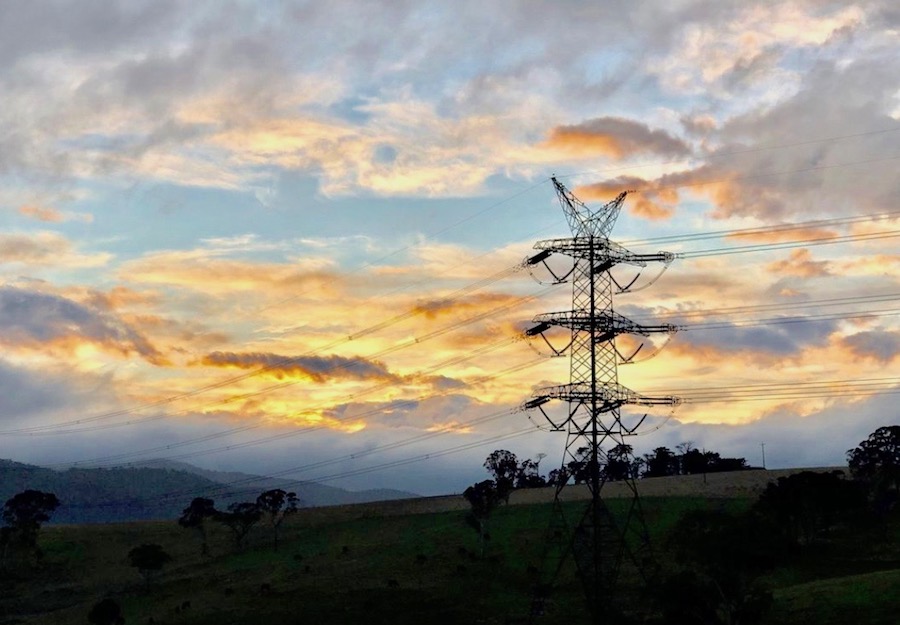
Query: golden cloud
point(615, 137)
point(800, 264)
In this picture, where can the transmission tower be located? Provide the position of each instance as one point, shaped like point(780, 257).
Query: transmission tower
point(598, 543)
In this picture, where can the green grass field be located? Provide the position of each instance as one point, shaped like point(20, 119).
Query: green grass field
point(398, 569)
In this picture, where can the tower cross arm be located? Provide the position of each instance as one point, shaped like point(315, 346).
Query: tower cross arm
point(610, 393)
point(601, 250)
point(606, 323)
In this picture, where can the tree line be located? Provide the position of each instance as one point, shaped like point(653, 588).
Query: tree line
point(619, 463)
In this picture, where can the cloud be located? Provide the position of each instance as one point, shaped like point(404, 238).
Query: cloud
point(27, 394)
point(650, 202)
point(207, 271)
point(44, 249)
point(41, 213)
point(50, 214)
point(878, 345)
point(316, 368)
point(788, 234)
point(37, 320)
point(615, 137)
point(800, 264)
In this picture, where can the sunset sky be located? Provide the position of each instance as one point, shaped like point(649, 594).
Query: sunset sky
point(260, 236)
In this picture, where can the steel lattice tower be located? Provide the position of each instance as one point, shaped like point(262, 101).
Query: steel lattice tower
point(597, 542)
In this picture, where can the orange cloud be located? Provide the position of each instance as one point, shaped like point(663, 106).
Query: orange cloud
point(41, 213)
point(647, 202)
point(801, 264)
point(41, 321)
point(615, 137)
point(52, 215)
point(314, 368)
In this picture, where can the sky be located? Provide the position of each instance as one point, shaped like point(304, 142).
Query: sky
point(286, 237)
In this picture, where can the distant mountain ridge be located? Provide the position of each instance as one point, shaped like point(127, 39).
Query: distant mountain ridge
point(311, 494)
point(160, 489)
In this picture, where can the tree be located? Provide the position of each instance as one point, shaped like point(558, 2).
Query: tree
point(278, 505)
point(25, 512)
point(148, 559)
point(877, 461)
point(620, 463)
point(721, 557)
point(580, 467)
point(528, 475)
point(194, 517)
point(483, 497)
point(558, 477)
point(240, 519)
point(660, 463)
point(806, 504)
point(503, 466)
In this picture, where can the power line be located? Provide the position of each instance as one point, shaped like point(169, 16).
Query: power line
point(818, 303)
point(800, 225)
point(783, 245)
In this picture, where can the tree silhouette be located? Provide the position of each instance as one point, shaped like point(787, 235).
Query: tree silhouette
point(807, 504)
point(194, 517)
point(877, 461)
point(660, 463)
point(483, 497)
point(620, 463)
point(278, 505)
point(148, 559)
point(504, 467)
point(240, 519)
point(721, 558)
point(25, 512)
point(528, 475)
point(581, 465)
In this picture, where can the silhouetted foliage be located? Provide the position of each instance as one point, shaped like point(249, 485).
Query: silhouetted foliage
point(581, 466)
point(528, 475)
point(195, 516)
point(148, 559)
point(877, 462)
point(483, 497)
point(558, 477)
point(106, 612)
point(25, 512)
point(723, 555)
point(660, 463)
point(240, 519)
point(689, 461)
point(620, 463)
point(617, 464)
point(806, 504)
point(278, 505)
point(504, 467)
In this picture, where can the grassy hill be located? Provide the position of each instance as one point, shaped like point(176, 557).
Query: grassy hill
point(381, 564)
